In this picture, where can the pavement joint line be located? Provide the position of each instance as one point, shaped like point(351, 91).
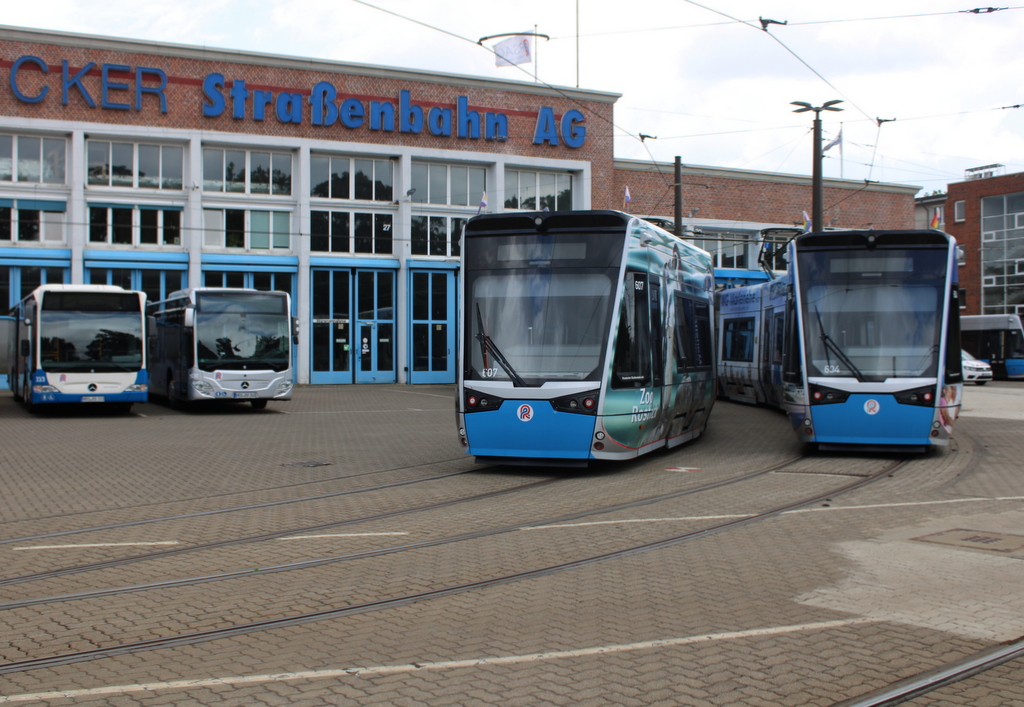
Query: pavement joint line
point(798, 510)
point(337, 535)
point(378, 670)
point(71, 547)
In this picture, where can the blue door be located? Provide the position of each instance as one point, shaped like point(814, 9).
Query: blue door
point(375, 326)
point(331, 340)
point(433, 327)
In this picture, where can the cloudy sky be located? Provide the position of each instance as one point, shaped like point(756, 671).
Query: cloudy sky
point(703, 77)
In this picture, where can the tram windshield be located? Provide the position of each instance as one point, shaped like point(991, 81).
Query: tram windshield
point(538, 311)
point(872, 315)
point(90, 331)
point(242, 331)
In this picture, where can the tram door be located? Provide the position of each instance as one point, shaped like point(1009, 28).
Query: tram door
point(433, 332)
point(375, 326)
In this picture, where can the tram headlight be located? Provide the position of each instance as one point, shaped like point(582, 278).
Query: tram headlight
point(580, 403)
point(924, 397)
point(475, 402)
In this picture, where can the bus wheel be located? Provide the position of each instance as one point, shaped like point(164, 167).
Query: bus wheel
point(258, 404)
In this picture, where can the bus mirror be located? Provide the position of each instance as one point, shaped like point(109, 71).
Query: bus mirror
point(26, 348)
point(295, 330)
point(190, 317)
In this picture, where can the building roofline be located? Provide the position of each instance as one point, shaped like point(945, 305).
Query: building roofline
point(667, 168)
point(26, 34)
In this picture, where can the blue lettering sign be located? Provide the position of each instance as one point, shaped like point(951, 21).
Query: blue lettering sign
point(212, 87)
point(67, 82)
point(106, 86)
point(352, 113)
point(546, 130)
point(410, 117)
point(497, 126)
point(321, 104)
point(440, 121)
point(289, 108)
point(573, 133)
point(239, 94)
point(260, 101)
point(382, 116)
point(14, 79)
point(467, 121)
point(140, 74)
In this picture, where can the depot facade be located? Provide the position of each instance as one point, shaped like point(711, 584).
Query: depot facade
point(157, 167)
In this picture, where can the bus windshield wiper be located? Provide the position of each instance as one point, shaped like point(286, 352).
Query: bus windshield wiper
point(831, 345)
point(489, 347)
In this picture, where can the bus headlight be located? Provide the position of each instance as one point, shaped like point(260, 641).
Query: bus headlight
point(44, 389)
point(202, 386)
point(137, 388)
point(283, 387)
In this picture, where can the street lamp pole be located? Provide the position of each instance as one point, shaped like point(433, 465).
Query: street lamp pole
point(817, 190)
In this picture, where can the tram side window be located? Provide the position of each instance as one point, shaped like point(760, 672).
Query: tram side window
point(792, 356)
point(738, 339)
point(954, 364)
point(632, 365)
point(692, 335)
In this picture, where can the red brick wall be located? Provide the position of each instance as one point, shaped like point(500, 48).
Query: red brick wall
point(185, 98)
point(781, 200)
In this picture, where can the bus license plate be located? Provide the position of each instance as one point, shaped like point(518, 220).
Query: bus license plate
point(92, 398)
point(245, 395)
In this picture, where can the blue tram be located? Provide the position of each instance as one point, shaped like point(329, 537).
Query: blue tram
point(859, 341)
point(586, 335)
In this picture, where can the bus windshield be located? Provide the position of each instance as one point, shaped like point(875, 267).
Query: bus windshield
point(90, 332)
point(872, 315)
point(242, 331)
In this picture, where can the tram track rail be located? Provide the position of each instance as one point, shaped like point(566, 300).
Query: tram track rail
point(949, 674)
point(229, 509)
point(386, 603)
point(380, 552)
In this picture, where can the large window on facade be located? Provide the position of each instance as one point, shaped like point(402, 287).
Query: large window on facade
point(336, 177)
point(727, 250)
point(38, 160)
point(134, 165)
point(437, 235)
point(538, 191)
point(351, 232)
point(235, 171)
point(1002, 254)
point(245, 229)
point(448, 185)
point(132, 225)
point(32, 221)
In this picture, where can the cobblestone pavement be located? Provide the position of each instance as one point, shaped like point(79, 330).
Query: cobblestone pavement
point(809, 607)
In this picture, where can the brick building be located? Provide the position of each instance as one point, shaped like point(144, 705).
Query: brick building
point(157, 167)
point(986, 216)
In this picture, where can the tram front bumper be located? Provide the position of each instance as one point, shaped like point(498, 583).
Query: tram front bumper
point(528, 429)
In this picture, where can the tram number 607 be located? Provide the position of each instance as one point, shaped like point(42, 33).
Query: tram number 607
point(490, 372)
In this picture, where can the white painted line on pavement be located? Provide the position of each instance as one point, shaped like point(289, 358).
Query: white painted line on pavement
point(337, 535)
point(72, 547)
point(376, 670)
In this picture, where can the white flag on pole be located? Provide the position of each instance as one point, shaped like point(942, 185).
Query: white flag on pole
point(837, 140)
point(514, 50)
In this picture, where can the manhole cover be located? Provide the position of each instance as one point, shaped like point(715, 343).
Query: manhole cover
point(307, 464)
point(1003, 543)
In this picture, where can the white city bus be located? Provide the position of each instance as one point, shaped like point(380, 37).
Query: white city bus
point(78, 344)
point(219, 343)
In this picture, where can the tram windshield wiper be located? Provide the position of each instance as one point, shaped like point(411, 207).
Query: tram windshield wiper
point(831, 345)
point(489, 347)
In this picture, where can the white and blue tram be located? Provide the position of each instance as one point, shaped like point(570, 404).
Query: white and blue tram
point(586, 335)
point(858, 342)
point(79, 344)
point(997, 339)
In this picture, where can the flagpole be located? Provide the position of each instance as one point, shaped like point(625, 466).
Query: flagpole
point(536, 57)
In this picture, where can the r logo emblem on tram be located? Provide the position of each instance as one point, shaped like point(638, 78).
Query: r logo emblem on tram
point(525, 413)
point(872, 407)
